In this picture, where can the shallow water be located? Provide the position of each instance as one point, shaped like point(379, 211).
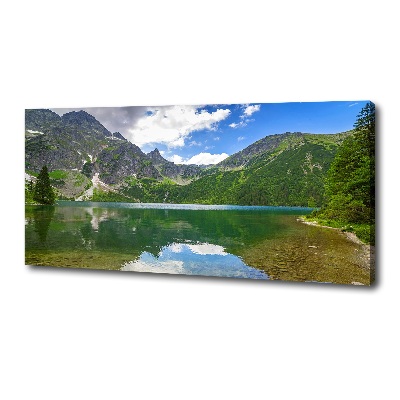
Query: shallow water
point(225, 241)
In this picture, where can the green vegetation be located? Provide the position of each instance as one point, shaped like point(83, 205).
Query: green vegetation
point(292, 174)
point(292, 178)
point(279, 170)
point(149, 190)
point(32, 173)
point(29, 192)
point(79, 180)
point(69, 184)
point(99, 195)
point(218, 188)
point(350, 182)
point(88, 185)
point(58, 174)
point(58, 178)
point(87, 169)
point(43, 192)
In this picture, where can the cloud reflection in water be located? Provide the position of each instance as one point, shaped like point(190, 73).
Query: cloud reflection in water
point(194, 259)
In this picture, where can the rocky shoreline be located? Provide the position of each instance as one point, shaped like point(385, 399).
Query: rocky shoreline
point(366, 252)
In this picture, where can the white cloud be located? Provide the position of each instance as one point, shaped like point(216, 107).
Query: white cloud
point(194, 143)
point(249, 110)
point(216, 138)
point(199, 159)
point(244, 118)
point(353, 104)
point(171, 125)
point(240, 124)
point(176, 159)
point(207, 158)
point(240, 138)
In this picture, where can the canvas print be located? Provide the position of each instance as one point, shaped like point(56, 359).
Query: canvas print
point(263, 191)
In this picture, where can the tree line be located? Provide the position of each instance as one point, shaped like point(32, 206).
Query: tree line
point(350, 182)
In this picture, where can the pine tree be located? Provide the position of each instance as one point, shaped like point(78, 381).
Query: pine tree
point(350, 185)
point(43, 192)
point(365, 126)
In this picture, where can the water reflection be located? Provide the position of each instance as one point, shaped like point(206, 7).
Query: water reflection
point(42, 217)
point(245, 242)
point(97, 216)
point(101, 236)
point(194, 259)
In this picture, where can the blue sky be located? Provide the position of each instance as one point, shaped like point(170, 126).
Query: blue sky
point(209, 133)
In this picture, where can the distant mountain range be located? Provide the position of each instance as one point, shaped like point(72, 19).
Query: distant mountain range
point(86, 161)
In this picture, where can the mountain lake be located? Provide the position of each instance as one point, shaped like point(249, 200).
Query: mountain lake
point(210, 240)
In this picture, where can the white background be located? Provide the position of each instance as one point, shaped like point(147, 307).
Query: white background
point(89, 335)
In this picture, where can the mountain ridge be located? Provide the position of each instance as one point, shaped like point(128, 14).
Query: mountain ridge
point(280, 169)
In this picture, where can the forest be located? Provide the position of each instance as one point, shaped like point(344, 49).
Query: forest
point(350, 182)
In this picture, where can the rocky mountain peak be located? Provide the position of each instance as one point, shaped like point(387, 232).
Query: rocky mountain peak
point(79, 117)
point(117, 135)
point(156, 157)
point(38, 119)
point(82, 120)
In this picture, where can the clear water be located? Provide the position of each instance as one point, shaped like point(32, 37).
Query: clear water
point(225, 241)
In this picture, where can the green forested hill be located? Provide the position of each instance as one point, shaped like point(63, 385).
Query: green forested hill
point(291, 172)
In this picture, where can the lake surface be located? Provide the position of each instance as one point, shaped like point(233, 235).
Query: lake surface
point(224, 241)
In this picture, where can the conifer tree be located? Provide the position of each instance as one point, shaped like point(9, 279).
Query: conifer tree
point(350, 185)
point(43, 192)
